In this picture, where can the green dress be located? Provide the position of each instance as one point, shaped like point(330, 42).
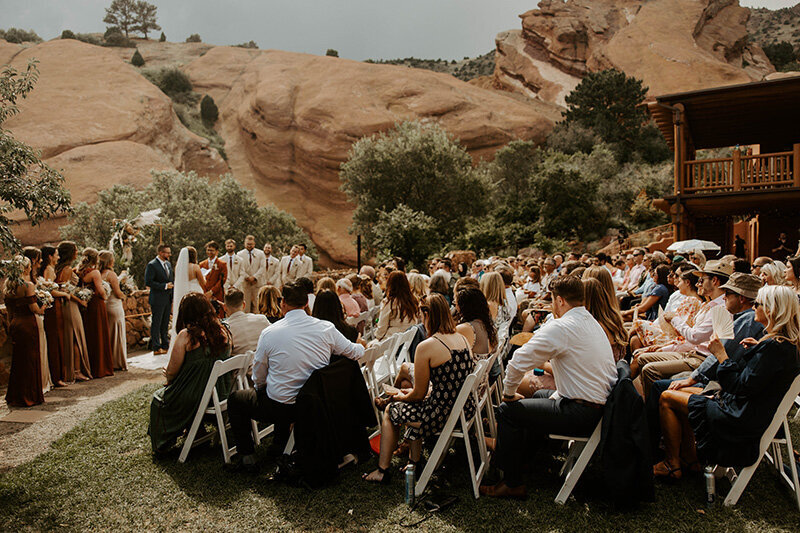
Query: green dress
point(173, 407)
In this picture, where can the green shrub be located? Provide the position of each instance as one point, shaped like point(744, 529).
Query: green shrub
point(68, 34)
point(137, 60)
point(163, 38)
point(116, 38)
point(16, 35)
point(194, 38)
point(332, 53)
point(89, 38)
point(208, 110)
point(251, 44)
point(173, 81)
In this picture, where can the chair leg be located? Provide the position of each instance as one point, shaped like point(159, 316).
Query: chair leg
point(580, 465)
point(289, 444)
point(187, 444)
point(792, 464)
point(223, 437)
point(473, 476)
point(739, 485)
point(437, 455)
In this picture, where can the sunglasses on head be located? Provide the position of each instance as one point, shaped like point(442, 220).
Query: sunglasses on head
point(756, 305)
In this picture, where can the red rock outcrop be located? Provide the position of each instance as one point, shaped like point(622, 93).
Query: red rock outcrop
point(289, 120)
point(672, 45)
point(100, 121)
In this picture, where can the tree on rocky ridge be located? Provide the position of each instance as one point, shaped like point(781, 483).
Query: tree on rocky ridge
point(122, 14)
point(146, 17)
point(26, 183)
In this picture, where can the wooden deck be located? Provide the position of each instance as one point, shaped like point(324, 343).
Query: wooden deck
point(741, 173)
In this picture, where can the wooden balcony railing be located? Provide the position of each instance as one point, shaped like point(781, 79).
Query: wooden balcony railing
point(742, 172)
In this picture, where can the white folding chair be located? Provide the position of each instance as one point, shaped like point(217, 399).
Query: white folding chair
point(581, 450)
point(404, 346)
point(210, 404)
point(494, 388)
point(797, 403)
point(367, 363)
point(449, 433)
point(386, 366)
point(769, 438)
point(485, 395)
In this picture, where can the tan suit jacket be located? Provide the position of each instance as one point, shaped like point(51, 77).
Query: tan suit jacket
point(232, 263)
point(289, 273)
point(246, 328)
point(272, 271)
point(253, 268)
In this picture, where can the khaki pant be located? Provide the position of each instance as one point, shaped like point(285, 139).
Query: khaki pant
point(250, 297)
point(663, 365)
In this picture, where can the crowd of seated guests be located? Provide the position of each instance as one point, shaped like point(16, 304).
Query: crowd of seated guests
point(581, 316)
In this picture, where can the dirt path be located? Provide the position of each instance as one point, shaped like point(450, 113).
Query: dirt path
point(63, 409)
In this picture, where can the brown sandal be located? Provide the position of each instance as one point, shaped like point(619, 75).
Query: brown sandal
point(663, 470)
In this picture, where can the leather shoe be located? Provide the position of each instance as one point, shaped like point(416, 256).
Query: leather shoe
point(501, 490)
point(491, 443)
point(160, 351)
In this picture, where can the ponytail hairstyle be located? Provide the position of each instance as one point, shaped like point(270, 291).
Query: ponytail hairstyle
point(47, 253)
point(67, 250)
point(105, 260)
point(90, 257)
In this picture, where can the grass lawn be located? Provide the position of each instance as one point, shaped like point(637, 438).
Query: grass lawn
point(102, 476)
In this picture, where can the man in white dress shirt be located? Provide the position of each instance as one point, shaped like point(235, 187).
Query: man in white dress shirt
point(288, 352)
point(272, 269)
point(251, 273)
point(306, 267)
point(233, 262)
point(578, 349)
point(245, 328)
point(289, 266)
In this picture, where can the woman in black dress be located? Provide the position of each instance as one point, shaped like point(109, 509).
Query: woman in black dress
point(725, 428)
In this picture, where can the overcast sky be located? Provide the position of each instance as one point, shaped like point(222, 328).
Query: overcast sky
point(358, 29)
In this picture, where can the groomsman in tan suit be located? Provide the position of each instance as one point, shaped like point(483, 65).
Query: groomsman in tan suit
point(272, 269)
point(251, 273)
point(232, 262)
point(306, 263)
point(289, 266)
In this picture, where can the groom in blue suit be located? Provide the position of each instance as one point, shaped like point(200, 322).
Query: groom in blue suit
point(160, 276)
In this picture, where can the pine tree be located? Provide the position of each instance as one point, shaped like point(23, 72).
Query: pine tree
point(163, 38)
point(208, 110)
point(137, 60)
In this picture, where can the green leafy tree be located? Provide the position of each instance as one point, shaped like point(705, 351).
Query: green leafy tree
point(419, 166)
point(17, 35)
point(405, 233)
point(571, 138)
point(332, 53)
point(194, 211)
point(208, 110)
point(173, 81)
point(781, 54)
point(194, 38)
point(122, 14)
point(145, 16)
point(137, 60)
point(26, 183)
point(568, 208)
point(163, 38)
point(68, 34)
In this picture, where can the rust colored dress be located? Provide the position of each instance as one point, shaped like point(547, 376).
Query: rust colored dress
point(57, 354)
point(25, 382)
point(98, 335)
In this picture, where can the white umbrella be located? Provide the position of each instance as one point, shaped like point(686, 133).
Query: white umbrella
point(692, 245)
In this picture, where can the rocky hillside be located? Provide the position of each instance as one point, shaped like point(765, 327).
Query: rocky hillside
point(673, 45)
point(288, 121)
point(467, 69)
point(768, 26)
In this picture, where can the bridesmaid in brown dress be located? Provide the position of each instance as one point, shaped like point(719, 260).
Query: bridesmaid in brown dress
point(75, 339)
point(95, 317)
point(25, 382)
point(60, 367)
point(34, 255)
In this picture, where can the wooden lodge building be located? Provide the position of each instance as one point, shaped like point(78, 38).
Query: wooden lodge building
point(754, 193)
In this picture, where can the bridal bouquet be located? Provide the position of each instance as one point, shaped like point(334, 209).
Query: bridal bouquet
point(106, 288)
point(46, 286)
point(44, 298)
point(126, 283)
point(83, 294)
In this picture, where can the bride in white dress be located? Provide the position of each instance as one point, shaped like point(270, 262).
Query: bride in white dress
point(188, 278)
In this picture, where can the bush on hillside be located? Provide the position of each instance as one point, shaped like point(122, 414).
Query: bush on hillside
point(173, 81)
point(68, 34)
point(89, 38)
point(137, 60)
point(194, 38)
point(250, 44)
point(208, 110)
point(332, 53)
point(16, 35)
point(117, 38)
point(163, 38)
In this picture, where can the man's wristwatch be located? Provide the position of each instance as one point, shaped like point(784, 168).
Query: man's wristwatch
point(507, 397)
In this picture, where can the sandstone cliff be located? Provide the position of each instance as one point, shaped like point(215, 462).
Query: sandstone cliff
point(673, 45)
point(289, 120)
point(98, 120)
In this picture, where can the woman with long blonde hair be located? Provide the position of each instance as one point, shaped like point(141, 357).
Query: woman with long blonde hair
point(774, 273)
point(269, 303)
point(726, 427)
point(419, 285)
point(601, 305)
point(494, 289)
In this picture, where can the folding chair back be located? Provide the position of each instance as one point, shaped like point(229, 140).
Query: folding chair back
point(404, 346)
point(211, 404)
point(451, 432)
point(770, 438)
point(581, 450)
point(367, 363)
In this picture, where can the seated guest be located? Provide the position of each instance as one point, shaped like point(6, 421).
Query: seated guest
point(442, 363)
point(269, 303)
point(773, 273)
point(698, 259)
point(649, 334)
point(288, 352)
point(326, 284)
point(691, 348)
point(418, 284)
point(792, 274)
point(741, 265)
point(532, 286)
point(583, 363)
point(438, 285)
point(202, 340)
point(475, 322)
point(677, 297)
point(725, 427)
point(328, 307)
point(758, 263)
point(308, 285)
point(245, 327)
point(377, 293)
point(365, 289)
point(399, 309)
point(507, 274)
point(357, 295)
point(495, 291)
point(344, 289)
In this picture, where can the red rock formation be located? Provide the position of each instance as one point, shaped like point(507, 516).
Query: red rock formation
point(672, 45)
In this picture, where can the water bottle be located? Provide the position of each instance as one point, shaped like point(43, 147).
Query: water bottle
point(411, 483)
point(711, 486)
